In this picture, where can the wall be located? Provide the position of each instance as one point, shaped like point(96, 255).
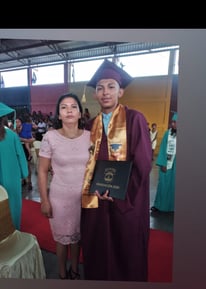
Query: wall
point(44, 97)
point(151, 96)
point(17, 97)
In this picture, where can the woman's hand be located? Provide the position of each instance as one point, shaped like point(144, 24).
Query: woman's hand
point(46, 209)
point(163, 169)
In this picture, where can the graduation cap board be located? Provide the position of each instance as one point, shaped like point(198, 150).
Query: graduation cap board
point(108, 70)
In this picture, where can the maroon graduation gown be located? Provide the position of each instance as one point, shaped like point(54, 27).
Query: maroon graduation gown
point(115, 235)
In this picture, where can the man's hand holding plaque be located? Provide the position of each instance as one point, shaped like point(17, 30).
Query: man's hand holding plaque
point(104, 196)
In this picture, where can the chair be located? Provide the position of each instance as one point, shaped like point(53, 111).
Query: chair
point(20, 254)
point(36, 146)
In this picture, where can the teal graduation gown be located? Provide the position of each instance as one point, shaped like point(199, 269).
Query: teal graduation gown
point(165, 195)
point(13, 168)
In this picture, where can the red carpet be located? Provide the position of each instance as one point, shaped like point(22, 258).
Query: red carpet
point(160, 246)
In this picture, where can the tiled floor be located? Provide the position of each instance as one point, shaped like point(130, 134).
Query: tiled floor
point(158, 220)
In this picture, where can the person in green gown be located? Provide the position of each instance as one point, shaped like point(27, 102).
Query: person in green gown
point(13, 165)
point(166, 160)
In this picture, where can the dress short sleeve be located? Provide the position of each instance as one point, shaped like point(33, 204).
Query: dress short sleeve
point(45, 148)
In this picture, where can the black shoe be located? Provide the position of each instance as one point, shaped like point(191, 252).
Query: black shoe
point(154, 209)
point(73, 275)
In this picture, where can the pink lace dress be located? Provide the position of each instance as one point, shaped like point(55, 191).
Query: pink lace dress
point(68, 158)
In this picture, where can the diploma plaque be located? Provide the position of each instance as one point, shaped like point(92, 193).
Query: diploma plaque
point(112, 176)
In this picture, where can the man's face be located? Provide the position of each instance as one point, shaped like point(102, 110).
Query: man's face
point(108, 93)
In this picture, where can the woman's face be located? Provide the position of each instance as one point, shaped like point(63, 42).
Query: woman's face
point(69, 112)
point(18, 123)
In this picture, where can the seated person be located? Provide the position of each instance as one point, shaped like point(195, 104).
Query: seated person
point(26, 132)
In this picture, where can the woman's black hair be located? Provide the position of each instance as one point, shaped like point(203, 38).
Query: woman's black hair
point(20, 118)
point(58, 122)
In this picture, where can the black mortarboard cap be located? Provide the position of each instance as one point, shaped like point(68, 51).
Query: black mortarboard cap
point(107, 70)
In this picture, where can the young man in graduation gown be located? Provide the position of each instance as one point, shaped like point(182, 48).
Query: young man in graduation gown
point(115, 233)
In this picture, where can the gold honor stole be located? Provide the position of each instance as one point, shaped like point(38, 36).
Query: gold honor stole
point(117, 149)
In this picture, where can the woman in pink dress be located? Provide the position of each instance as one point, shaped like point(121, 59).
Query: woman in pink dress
point(66, 150)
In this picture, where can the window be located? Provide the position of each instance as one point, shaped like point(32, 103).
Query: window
point(146, 64)
point(83, 71)
point(14, 78)
point(51, 74)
